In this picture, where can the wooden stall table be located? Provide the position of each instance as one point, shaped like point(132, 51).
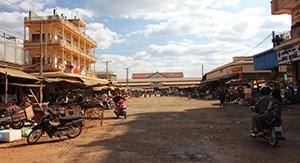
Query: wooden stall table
point(90, 108)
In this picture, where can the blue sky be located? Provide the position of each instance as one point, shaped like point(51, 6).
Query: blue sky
point(165, 36)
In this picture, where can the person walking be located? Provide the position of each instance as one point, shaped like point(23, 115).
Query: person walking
point(222, 98)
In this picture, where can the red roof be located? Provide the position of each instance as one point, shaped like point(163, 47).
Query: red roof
point(162, 75)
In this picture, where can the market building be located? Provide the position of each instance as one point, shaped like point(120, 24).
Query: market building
point(160, 80)
point(288, 48)
point(240, 70)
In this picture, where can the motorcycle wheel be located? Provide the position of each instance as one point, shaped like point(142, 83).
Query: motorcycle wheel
point(34, 136)
point(17, 125)
point(77, 128)
point(273, 139)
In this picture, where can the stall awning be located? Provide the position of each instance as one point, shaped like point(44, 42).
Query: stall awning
point(56, 80)
point(17, 73)
point(87, 81)
point(25, 85)
point(265, 60)
point(228, 76)
point(104, 88)
point(180, 83)
point(93, 81)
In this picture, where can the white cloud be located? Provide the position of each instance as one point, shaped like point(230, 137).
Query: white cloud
point(25, 5)
point(13, 21)
point(153, 9)
point(103, 35)
point(186, 56)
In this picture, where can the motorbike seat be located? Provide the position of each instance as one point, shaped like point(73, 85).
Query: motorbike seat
point(70, 118)
point(274, 121)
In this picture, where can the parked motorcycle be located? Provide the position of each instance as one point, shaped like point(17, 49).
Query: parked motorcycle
point(120, 108)
point(70, 126)
point(272, 132)
point(13, 117)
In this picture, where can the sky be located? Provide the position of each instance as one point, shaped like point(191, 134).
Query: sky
point(162, 35)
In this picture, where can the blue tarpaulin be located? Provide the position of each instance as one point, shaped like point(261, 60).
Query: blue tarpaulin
point(265, 60)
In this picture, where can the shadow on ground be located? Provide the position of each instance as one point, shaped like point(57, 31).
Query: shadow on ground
point(197, 134)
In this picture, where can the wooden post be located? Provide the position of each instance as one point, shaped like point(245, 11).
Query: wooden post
point(36, 99)
point(41, 92)
point(6, 87)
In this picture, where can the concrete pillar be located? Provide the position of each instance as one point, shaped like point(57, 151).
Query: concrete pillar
point(72, 58)
point(63, 57)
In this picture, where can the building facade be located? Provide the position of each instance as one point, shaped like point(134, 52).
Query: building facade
point(240, 68)
point(11, 47)
point(157, 80)
point(288, 48)
point(111, 76)
point(60, 42)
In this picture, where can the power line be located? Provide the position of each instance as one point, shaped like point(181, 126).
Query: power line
point(258, 44)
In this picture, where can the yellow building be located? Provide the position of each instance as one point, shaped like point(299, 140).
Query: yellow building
point(64, 45)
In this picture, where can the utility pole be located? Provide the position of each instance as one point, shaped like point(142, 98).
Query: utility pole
point(41, 49)
point(106, 68)
point(202, 70)
point(127, 80)
point(41, 60)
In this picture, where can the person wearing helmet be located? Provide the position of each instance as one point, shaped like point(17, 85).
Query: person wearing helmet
point(260, 107)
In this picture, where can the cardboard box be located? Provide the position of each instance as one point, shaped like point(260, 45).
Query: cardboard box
point(10, 135)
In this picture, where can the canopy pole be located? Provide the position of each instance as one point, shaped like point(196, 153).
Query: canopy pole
point(6, 87)
point(41, 92)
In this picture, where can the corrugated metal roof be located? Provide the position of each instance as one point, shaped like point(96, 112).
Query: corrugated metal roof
point(88, 81)
point(265, 60)
point(163, 74)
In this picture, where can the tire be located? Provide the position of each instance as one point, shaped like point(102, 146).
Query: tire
point(77, 128)
point(34, 136)
point(273, 139)
point(17, 125)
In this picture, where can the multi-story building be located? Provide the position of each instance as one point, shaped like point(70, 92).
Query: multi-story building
point(61, 42)
point(288, 48)
point(11, 48)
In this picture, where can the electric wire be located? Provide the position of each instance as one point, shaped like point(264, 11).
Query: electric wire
point(257, 45)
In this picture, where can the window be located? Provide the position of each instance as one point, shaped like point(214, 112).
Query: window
point(36, 37)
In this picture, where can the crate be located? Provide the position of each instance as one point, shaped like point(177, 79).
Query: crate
point(19, 116)
point(10, 135)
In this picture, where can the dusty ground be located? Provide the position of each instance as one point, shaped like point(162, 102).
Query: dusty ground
point(166, 129)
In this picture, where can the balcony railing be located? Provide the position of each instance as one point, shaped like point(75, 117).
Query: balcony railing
point(61, 41)
point(56, 17)
point(282, 37)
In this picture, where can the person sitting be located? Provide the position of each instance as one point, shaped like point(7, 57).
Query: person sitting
point(260, 107)
point(273, 111)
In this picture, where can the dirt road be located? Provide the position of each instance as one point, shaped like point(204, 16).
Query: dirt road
point(166, 129)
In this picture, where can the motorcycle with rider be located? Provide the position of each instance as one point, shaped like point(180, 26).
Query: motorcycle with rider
point(266, 123)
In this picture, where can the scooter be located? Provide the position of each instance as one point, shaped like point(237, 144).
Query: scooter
point(70, 126)
point(120, 108)
point(272, 132)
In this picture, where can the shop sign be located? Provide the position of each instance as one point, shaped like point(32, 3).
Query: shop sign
point(236, 69)
point(288, 55)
